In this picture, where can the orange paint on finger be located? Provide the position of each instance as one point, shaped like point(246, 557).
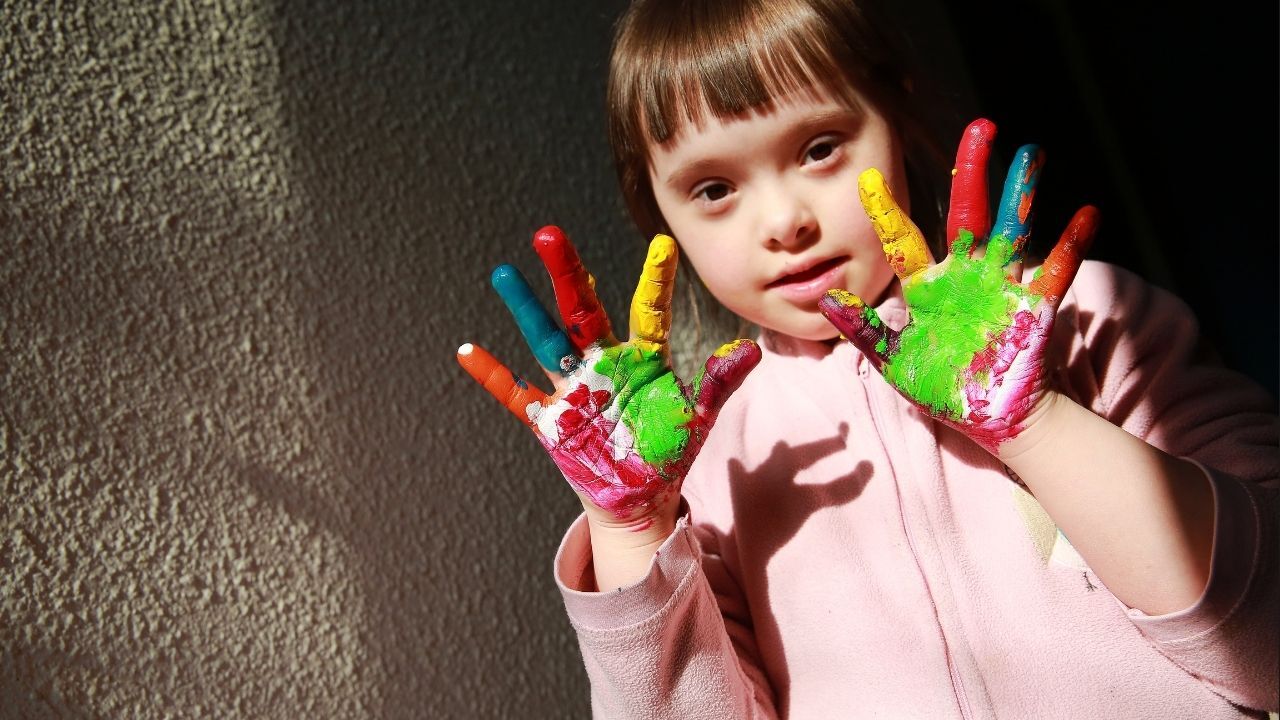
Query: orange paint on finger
point(505, 386)
point(1024, 205)
point(1059, 269)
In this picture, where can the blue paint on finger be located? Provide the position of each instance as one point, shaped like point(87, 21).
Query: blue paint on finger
point(1013, 216)
point(545, 338)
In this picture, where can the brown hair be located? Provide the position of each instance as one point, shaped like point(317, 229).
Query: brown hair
point(673, 57)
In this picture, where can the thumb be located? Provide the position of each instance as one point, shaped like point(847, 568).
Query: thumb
point(861, 324)
point(723, 373)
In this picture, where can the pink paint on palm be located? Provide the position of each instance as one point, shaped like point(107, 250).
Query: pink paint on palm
point(597, 455)
point(1005, 380)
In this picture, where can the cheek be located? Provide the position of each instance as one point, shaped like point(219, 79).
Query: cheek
point(721, 271)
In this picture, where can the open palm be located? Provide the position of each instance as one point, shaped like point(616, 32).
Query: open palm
point(972, 353)
point(622, 428)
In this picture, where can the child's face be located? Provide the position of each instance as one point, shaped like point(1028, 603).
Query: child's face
point(766, 207)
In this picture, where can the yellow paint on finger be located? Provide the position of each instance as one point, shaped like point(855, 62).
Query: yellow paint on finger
point(651, 305)
point(903, 244)
point(729, 348)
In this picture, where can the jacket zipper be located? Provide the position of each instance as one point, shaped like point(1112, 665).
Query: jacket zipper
point(957, 685)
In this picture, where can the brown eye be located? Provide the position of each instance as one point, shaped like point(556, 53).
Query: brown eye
point(819, 152)
point(714, 192)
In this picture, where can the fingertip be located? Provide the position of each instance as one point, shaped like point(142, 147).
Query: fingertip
point(836, 300)
point(1028, 150)
point(741, 350)
point(503, 275)
point(475, 361)
point(1089, 216)
point(975, 144)
point(981, 130)
point(724, 372)
point(662, 248)
point(1084, 227)
point(548, 237)
point(1028, 160)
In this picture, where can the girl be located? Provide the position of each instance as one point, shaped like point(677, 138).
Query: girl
point(819, 528)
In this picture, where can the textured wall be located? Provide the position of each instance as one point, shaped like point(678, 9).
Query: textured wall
point(239, 242)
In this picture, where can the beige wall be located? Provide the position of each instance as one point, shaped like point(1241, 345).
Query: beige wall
point(239, 242)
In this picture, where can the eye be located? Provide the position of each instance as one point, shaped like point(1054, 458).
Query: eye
point(823, 150)
point(711, 194)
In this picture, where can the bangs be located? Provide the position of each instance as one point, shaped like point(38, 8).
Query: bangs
point(726, 59)
point(674, 62)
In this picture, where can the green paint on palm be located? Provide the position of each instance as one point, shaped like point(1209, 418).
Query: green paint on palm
point(957, 308)
point(653, 405)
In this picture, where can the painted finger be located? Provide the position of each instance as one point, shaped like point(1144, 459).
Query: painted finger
point(651, 305)
point(1059, 269)
point(860, 323)
point(516, 395)
point(547, 341)
point(723, 373)
point(969, 209)
point(903, 244)
point(1013, 217)
point(584, 319)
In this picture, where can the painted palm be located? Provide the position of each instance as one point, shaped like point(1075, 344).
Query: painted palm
point(972, 352)
point(622, 428)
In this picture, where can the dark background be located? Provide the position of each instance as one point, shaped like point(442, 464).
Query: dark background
point(1164, 118)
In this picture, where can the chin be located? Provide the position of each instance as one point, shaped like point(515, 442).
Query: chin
point(821, 333)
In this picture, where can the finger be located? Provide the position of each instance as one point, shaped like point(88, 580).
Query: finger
point(584, 319)
point(969, 210)
point(547, 341)
point(651, 305)
point(861, 324)
point(903, 244)
point(1059, 269)
point(516, 395)
point(723, 373)
point(1013, 217)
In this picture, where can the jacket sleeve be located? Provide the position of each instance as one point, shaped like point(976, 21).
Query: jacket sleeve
point(674, 645)
point(1138, 362)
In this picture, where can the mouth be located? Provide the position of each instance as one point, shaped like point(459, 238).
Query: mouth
point(808, 274)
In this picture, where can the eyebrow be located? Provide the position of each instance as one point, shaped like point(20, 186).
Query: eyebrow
point(684, 175)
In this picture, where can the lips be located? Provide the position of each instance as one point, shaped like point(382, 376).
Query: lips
point(808, 273)
point(807, 283)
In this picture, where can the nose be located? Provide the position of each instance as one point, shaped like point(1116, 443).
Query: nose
point(787, 219)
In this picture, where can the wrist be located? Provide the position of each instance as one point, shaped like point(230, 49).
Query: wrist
point(635, 531)
point(623, 549)
point(1036, 426)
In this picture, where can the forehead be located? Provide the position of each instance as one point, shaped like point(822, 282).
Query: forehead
point(706, 132)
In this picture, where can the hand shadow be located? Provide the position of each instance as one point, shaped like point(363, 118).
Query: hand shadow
point(771, 506)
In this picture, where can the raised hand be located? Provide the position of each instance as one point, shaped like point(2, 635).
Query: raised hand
point(622, 428)
point(972, 353)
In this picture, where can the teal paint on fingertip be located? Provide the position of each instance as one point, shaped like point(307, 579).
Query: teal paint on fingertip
point(545, 338)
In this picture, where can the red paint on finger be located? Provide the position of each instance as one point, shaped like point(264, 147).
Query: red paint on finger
point(580, 309)
point(969, 182)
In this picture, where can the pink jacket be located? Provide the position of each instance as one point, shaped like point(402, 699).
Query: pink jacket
point(845, 556)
